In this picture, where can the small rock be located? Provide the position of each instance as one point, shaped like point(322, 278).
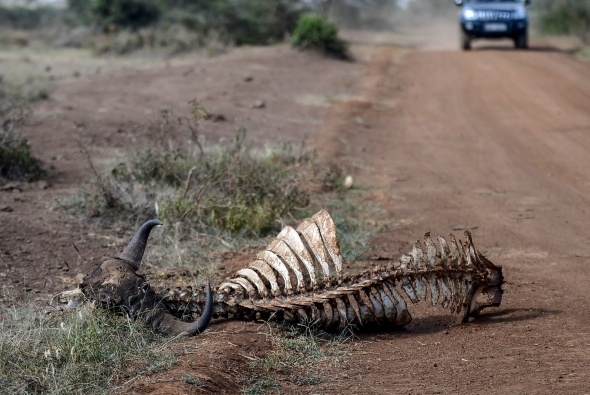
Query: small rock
point(259, 104)
point(42, 184)
point(6, 209)
point(348, 182)
point(360, 121)
point(248, 79)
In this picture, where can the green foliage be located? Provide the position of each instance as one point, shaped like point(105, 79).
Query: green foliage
point(259, 385)
point(253, 22)
point(314, 32)
point(151, 167)
point(237, 22)
point(565, 17)
point(85, 351)
point(131, 14)
point(16, 160)
point(220, 197)
point(225, 197)
point(235, 188)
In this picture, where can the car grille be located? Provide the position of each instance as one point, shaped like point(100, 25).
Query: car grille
point(493, 15)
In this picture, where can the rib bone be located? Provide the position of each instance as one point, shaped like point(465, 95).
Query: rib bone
point(454, 274)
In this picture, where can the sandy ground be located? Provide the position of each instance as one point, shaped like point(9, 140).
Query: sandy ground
point(494, 140)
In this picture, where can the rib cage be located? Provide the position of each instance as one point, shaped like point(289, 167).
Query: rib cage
point(299, 277)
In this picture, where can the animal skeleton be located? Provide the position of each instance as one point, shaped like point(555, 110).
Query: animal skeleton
point(299, 277)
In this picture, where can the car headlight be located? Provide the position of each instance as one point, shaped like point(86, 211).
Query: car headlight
point(468, 14)
point(520, 13)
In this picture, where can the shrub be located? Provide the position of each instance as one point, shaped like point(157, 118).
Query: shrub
point(234, 188)
point(16, 159)
point(236, 22)
point(254, 22)
point(313, 32)
point(566, 17)
point(218, 198)
point(132, 14)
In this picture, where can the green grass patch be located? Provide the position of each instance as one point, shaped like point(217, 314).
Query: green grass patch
point(86, 351)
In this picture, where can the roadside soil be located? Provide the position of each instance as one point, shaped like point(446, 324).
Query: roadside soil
point(495, 141)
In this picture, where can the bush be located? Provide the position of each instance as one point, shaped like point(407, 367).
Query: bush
point(131, 14)
point(236, 22)
point(313, 32)
point(253, 22)
point(565, 17)
point(16, 159)
point(217, 198)
point(235, 188)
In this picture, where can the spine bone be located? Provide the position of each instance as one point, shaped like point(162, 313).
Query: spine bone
point(453, 275)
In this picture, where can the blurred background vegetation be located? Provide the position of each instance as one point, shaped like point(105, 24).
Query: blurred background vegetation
point(570, 17)
point(181, 25)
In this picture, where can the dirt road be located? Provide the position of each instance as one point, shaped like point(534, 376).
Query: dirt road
point(495, 141)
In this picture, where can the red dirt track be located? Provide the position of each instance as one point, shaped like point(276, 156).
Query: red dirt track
point(494, 140)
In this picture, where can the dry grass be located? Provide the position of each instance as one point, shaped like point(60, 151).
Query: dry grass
point(86, 351)
point(297, 356)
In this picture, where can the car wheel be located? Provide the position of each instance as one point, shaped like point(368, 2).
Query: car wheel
point(521, 41)
point(465, 41)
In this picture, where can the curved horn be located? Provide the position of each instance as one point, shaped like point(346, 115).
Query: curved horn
point(134, 251)
point(115, 283)
point(167, 324)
